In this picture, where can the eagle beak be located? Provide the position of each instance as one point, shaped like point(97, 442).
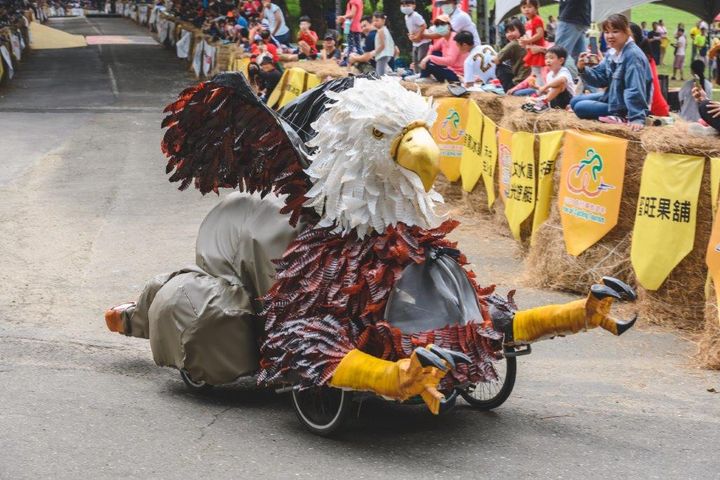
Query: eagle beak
point(419, 153)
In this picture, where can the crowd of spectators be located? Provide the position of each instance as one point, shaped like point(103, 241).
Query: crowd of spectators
point(12, 11)
point(610, 76)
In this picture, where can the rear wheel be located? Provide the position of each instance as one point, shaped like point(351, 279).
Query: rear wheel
point(323, 410)
point(492, 394)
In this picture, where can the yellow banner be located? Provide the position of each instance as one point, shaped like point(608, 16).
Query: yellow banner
point(550, 143)
point(449, 132)
point(471, 165)
point(489, 158)
point(664, 230)
point(712, 257)
point(591, 184)
point(504, 161)
point(521, 190)
point(714, 187)
point(294, 82)
point(242, 65)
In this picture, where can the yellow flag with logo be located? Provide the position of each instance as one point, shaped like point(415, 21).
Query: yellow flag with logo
point(591, 184)
point(449, 133)
point(712, 258)
point(550, 143)
point(520, 199)
point(294, 82)
point(664, 230)
point(504, 161)
point(489, 158)
point(471, 165)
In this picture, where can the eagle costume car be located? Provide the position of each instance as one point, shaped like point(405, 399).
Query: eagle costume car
point(368, 293)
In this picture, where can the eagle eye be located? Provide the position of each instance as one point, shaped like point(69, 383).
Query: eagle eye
point(377, 133)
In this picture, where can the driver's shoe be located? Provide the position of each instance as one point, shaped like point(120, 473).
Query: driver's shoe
point(115, 317)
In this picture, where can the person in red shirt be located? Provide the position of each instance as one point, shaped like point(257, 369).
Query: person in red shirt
point(659, 106)
point(350, 23)
point(307, 40)
point(534, 35)
point(263, 45)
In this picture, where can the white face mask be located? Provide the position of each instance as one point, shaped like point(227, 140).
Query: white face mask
point(448, 9)
point(406, 10)
point(442, 29)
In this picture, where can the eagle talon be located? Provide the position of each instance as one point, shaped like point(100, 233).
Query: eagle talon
point(626, 291)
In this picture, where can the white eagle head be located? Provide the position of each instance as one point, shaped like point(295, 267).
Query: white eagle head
point(375, 160)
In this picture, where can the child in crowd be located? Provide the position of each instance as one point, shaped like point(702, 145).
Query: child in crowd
point(534, 35)
point(262, 46)
point(268, 78)
point(445, 61)
point(416, 26)
point(688, 106)
point(479, 65)
point(384, 44)
point(511, 68)
point(330, 50)
point(559, 89)
point(307, 40)
point(679, 62)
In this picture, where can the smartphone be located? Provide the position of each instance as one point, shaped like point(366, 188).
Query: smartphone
point(697, 82)
point(593, 45)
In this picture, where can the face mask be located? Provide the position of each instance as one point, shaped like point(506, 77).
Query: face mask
point(448, 9)
point(406, 10)
point(442, 30)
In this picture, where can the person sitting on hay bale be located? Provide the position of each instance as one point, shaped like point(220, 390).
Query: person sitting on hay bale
point(559, 89)
point(625, 75)
point(365, 62)
point(445, 62)
point(709, 112)
point(510, 61)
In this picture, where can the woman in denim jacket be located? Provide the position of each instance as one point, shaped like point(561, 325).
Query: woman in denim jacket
point(625, 75)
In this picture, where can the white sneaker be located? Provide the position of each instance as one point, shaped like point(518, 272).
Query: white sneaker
point(701, 130)
point(424, 80)
point(412, 78)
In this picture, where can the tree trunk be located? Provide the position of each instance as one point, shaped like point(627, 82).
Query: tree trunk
point(396, 25)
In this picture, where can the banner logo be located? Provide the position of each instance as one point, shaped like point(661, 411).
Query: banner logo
point(585, 177)
point(450, 130)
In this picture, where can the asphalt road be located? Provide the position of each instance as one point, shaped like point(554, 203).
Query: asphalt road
point(87, 216)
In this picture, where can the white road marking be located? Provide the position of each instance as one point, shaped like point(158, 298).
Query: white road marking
point(113, 82)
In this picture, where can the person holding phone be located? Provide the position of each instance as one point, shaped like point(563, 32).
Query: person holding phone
point(625, 75)
point(709, 110)
point(688, 106)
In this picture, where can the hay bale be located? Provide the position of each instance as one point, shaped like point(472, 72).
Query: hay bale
point(708, 354)
point(324, 69)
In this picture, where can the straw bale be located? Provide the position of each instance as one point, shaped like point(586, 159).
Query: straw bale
point(708, 354)
point(322, 68)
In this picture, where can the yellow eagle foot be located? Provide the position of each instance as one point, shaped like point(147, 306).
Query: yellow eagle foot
point(550, 321)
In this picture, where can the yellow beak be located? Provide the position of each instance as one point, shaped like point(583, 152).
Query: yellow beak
point(419, 153)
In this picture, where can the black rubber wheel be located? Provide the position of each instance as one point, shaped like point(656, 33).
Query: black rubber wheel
point(323, 410)
point(488, 395)
point(194, 385)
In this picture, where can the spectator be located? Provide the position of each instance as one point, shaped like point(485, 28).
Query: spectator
point(365, 62)
point(416, 26)
point(643, 25)
point(445, 62)
point(559, 89)
point(252, 8)
point(459, 21)
point(688, 106)
point(658, 106)
point(307, 40)
point(679, 63)
point(384, 44)
point(268, 77)
point(664, 41)
point(330, 50)
point(276, 22)
point(709, 110)
point(694, 32)
point(701, 44)
point(511, 68)
point(573, 22)
point(534, 37)
point(479, 65)
point(625, 75)
point(263, 46)
point(653, 38)
point(350, 22)
point(550, 29)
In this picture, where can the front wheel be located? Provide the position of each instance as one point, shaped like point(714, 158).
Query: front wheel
point(323, 410)
point(488, 395)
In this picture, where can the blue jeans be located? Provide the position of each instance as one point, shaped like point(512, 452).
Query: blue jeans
point(571, 37)
point(524, 92)
point(589, 107)
point(284, 39)
point(440, 72)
